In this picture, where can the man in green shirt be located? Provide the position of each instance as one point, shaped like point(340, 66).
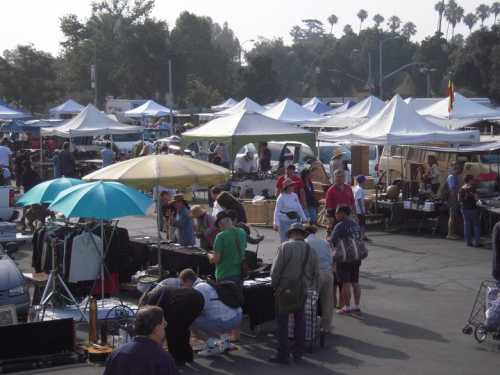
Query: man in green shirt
point(229, 250)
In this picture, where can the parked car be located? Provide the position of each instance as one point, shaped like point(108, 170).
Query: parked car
point(7, 201)
point(13, 289)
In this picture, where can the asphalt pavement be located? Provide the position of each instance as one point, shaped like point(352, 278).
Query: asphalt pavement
point(417, 293)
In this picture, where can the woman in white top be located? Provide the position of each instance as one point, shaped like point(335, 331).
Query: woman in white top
point(288, 210)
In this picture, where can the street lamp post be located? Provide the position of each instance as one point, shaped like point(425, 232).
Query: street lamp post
point(380, 66)
point(241, 48)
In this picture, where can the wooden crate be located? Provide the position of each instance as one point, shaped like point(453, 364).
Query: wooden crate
point(260, 213)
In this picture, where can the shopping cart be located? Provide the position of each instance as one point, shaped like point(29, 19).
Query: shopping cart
point(476, 322)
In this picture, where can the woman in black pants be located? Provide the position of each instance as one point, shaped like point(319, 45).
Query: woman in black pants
point(181, 307)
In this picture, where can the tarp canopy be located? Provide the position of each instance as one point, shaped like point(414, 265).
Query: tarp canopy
point(246, 104)
point(69, 107)
point(148, 109)
point(342, 108)
point(464, 112)
point(289, 111)
point(354, 116)
point(489, 147)
point(88, 123)
point(247, 127)
point(421, 103)
point(227, 104)
point(398, 123)
point(7, 113)
point(317, 106)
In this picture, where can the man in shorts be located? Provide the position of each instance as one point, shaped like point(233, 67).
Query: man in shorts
point(347, 273)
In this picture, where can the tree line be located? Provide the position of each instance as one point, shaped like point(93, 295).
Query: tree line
point(131, 51)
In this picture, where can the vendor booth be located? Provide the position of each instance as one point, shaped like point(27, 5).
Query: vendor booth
point(149, 109)
point(88, 123)
point(398, 124)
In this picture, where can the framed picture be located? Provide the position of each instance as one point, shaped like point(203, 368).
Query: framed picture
point(8, 315)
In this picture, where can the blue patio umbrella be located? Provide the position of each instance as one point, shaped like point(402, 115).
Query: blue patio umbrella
point(104, 200)
point(47, 191)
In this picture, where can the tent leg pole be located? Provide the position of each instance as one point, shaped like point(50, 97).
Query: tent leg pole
point(102, 261)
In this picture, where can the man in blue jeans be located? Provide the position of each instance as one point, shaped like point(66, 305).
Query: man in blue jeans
point(468, 201)
point(293, 256)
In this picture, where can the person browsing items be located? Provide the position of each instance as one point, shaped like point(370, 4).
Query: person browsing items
point(295, 270)
point(145, 354)
point(298, 187)
point(339, 194)
point(288, 209)
point(184, 232)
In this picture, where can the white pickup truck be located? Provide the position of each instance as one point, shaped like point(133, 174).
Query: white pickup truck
point(7, 201)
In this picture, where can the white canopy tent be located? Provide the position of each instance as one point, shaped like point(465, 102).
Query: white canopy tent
point(465, 112)
point(247, 127)
point(69, 107)
point(7, 113)
point(398, 123)
point(148, 109)
point(289, 111)
point(317, 106)
point(88, 123)
point(353, 116)
point(246, 104)
point(227, 104)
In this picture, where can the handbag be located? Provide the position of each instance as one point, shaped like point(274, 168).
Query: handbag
point(292, 215)
point(292, 296)
point(350, 250)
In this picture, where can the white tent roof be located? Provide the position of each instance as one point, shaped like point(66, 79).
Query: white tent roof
point(148, 109)
point(248, 127)
point(90, 122)
point(69, 107)
point(354, 116)
point(227, 104)
point(7, 113)
point(463, 109)
point(289, 111)
point(246, 104)
point(398, 123)
point(317, 106)
point(420, 103)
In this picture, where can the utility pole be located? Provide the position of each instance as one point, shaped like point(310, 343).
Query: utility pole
point(171, 92)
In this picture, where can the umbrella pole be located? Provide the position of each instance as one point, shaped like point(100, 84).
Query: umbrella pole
point(102, 261)
point(158, 213)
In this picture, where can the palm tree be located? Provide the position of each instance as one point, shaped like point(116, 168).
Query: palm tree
point(394, 23)
point(408, 30)
point(332, 20)
point(495, 10)
point(470, 20)
point(362, 15)
point(378, 19)
point(348, 30)
point(440, 7)
point(454, 14)
point(483, 12)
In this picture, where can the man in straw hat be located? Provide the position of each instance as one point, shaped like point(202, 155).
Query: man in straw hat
point(296, 262)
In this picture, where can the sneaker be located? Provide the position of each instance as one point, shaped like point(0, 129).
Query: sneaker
point(344, 311)
point(213, 348)
point(228, 346)
point(452, 237)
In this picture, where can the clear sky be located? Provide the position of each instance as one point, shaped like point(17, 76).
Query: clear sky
point(37, 21)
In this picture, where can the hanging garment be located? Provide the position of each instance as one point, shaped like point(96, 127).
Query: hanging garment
point(85, 258)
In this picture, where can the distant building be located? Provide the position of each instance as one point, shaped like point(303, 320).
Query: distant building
point(121, 105)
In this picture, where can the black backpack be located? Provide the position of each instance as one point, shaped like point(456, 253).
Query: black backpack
point(229, 293)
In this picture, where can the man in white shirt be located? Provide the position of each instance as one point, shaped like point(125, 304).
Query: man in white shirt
point(359, 202)
point(246, 164)
point(5, 153)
